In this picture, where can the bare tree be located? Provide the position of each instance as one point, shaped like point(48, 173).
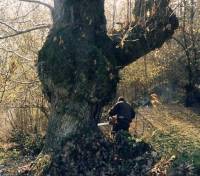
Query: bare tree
point(23, 27)
point(188, 40)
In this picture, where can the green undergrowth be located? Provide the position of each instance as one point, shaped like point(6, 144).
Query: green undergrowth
point(27, 144)
point(186, 151)
point(189, 161)
point(8, 161)
point(7, 155)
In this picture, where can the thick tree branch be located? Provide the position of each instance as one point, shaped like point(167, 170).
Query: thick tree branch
point(25, 31)
point(142, 39)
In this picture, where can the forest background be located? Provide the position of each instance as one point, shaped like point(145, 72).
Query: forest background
point(171, 72)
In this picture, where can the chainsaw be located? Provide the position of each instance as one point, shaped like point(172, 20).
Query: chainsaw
point(103, 124)
point(112, 121)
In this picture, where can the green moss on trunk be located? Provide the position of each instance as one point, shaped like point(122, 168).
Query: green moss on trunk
point(77, 68)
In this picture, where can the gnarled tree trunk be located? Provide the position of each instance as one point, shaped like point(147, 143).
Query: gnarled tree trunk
point(78, 65)
point(76, 68)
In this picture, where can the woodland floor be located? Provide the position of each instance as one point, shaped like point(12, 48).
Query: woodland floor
point(173, 131)
point(12, 163)
point(170, 129)
point(182, 121)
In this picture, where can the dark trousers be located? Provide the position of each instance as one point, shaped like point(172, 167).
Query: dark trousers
point(121, 126)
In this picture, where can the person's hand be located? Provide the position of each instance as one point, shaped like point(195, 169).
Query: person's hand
point(113, 120)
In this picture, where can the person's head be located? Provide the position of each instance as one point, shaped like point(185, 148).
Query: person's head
point(121, 99)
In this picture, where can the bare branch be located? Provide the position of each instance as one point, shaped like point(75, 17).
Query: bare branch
point(7, 25)
point(39, 2)
point(25, 15)
point(141, 39)
point(4, 87)
point(25, 31)
point(42, 108)
point(17, 54)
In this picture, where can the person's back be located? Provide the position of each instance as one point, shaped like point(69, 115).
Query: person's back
point(124, 109)
point(124, 113)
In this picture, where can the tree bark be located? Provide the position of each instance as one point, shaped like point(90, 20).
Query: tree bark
point(141, 39)
point(78, 66)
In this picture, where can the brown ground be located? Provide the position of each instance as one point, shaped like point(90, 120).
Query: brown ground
point(182, 123)
point(167, 118)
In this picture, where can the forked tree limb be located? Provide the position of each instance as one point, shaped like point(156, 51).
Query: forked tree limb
point(143, 38)
point(9, 26)
point(25, 31)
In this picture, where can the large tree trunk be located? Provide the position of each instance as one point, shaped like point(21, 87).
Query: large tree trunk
point(74, 67)
point(78, 67)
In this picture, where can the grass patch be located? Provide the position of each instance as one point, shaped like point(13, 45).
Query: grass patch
point(170, 143)
point(187, 163)
point(186, 151)
point(175, 133)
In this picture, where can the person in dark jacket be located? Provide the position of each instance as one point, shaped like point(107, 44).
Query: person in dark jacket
point(121, 115)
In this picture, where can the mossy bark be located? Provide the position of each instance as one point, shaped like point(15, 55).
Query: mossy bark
point(78, 67)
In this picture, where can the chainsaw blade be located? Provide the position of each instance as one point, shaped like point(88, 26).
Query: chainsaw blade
point(103, 124)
